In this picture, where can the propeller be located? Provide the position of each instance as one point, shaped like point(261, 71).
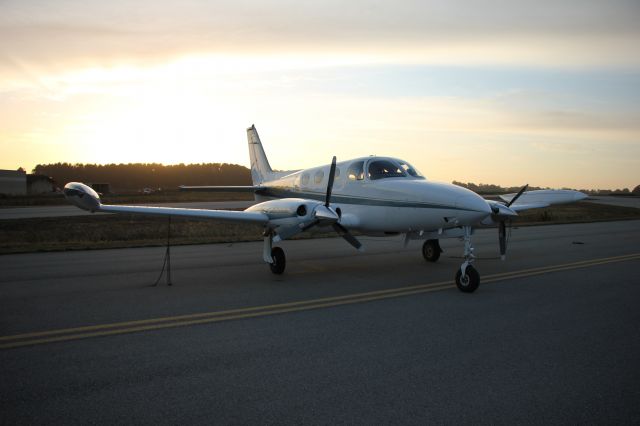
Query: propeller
point(513, 200)
point(502, 238)
point(502, 225)
point(327, 213)
point(344, 233)
point(332, 175)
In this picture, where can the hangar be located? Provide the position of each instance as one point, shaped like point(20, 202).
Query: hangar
point(13, 182)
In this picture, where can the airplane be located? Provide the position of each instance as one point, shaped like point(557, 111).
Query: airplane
point(376, 196)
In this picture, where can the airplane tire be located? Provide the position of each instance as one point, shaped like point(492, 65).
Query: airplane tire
point(431, 250)
point(279, 261)
point(469, 282)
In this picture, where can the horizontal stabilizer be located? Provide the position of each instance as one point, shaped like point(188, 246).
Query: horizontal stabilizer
point(220, 188)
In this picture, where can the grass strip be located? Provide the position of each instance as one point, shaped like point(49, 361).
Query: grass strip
point(121, 231)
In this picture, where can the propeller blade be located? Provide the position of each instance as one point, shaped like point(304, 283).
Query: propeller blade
point(332, 175)
point(502, 238)
point(513, 200)
point(344, 233)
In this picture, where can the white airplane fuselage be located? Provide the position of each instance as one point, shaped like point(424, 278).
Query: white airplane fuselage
point(387, 205)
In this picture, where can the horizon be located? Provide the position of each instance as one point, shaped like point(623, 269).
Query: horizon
point(460, 183)
point(506, 92)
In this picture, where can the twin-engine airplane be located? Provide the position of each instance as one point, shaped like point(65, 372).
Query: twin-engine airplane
point(379, 196)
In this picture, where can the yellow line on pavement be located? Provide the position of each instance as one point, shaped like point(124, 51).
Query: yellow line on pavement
point(67, 334)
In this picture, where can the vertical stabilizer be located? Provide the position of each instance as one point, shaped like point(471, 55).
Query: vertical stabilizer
point(260, 168)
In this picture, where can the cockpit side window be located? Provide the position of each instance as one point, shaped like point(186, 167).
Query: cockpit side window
point(356, 171)
point(381, 169)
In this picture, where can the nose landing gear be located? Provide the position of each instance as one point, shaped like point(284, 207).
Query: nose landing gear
point(467, 278)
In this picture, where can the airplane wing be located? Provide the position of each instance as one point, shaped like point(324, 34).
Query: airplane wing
point(542, 198)
point(283, 217)
point(87, 199)
point(222, 215)
point(521, 207)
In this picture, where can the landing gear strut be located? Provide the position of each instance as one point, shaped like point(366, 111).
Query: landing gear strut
point(431, 250)
point(467, 278)
point(274, 256)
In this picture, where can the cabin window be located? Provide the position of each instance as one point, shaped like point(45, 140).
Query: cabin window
point(318, 176)
point(305, 179)
point(356, 171)
point(381, 169)
point(337, 175)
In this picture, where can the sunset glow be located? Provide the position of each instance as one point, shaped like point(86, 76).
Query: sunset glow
point(541, 94)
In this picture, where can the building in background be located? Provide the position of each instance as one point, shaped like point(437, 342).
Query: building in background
point(40, 184)
point(13, 182)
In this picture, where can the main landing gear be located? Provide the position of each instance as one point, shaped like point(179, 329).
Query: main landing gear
point(431, 250)
point(467, 278)
point(279, 261)
point(274, 256)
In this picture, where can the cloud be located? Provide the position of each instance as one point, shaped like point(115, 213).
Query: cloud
point(569, 33)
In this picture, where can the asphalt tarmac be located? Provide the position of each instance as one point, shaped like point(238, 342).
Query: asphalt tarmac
point(382, 337)
point(624, 201)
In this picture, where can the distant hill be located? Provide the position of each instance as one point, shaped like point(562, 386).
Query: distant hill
point(135, 176)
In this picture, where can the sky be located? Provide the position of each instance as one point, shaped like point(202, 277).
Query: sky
point(489, 91)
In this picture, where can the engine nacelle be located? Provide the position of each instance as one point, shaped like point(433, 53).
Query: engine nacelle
point(82, 196)
point(499, 212)
point(296, 208)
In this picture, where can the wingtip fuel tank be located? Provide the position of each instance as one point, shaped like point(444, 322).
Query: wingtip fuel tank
point(82, 196)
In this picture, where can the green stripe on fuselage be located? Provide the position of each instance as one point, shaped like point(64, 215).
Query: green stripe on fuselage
point(345, 199)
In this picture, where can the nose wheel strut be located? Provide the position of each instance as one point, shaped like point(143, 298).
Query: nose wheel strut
point(467, 278)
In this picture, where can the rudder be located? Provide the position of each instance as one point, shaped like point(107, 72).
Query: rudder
point(260, 168)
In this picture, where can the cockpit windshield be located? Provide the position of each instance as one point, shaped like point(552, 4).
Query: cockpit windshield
point(410, 170)
point(381, 169)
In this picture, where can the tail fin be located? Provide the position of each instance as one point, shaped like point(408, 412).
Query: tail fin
point(260, 168)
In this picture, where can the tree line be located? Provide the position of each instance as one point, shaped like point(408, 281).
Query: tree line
point(487, 188)
point(136, 176)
